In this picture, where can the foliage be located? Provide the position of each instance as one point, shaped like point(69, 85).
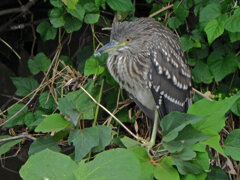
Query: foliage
point(70, 118)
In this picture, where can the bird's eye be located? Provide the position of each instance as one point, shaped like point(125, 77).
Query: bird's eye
point(127, 40)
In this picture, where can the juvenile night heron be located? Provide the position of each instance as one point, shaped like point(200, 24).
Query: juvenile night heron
point(145, 58)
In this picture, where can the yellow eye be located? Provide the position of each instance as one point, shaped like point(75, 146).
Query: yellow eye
point(128, 40)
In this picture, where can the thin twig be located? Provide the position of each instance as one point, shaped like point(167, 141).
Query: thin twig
point(237, 54)
point(108, 121)
point(17, 137)
point(201, 94)
point(25, 97)
point(107, 28)
point(34, 35)
point(23, 25)
point(33, 92)
point(23, 8)
point(161, 10)
point(15, 52)
point(114, 117)
point(80, 44)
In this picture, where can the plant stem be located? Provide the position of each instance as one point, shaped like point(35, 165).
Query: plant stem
point(99, 100)
point(93, 32)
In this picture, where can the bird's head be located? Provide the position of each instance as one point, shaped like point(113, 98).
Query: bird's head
point(127, 37)
point(113, 45)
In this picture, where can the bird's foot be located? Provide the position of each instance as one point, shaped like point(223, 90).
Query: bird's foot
point(147, 144)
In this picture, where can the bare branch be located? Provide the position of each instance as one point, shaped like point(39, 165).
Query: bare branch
point(23, 8)
point(161, 10)
point(17, 137)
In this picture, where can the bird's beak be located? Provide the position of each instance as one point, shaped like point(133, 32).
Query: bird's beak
point(112, 45)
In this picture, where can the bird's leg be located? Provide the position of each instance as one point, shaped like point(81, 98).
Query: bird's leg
point(151, 143)
point(155, 127)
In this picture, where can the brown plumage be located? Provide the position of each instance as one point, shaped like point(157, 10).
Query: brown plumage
point(145, 58)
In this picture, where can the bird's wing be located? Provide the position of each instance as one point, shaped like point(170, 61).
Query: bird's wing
point(169, 76)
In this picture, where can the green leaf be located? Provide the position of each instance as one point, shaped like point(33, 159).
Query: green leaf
point(67, 60)
point(53, 122)
point(92, 67)
point(24, 85)
point(46, 31)
point(155, 8)
point(43, 143)
point(99, 3)
point(129, 143)
point(121, 5)
point(201, 73)
point(234, 36)
point(201, 176)
point(199, 147)
point(34, 121)
point(38, 63)
point(203, 160)
point(217, 174)
point(211, 11)
point(213, 142)
point(95, 138)
point(56, 3)
point(184, 142)
point(90, 8)
point(187, 167)
point(77, 105)
point(53, 166)
point(221, 66)
point(215, 118)
point(29, 118)
point(105, 137)
point(191, 61)
point(236, 108)
point(174, 22)
point(91, 18)
point(174, 122)
point(185, 154)
point(180, 11)
point(72, 24)
point(186, 43)
point(78, 12)
point(187, 4)
point(83, 140)
point(215, 28)
point(46, 101)
point(232, 145)
point(214, 112)
point(232, 23)
point(205, 107)
point(68, 108)
point(165, 170)
point(71, 4)
point(117, 164)
point(111, 99)
point(195, 168)
point(197, 44)
point(6, 146)
point(123, 116)
point(56, 17)
point(147, 168)
point(19, 119)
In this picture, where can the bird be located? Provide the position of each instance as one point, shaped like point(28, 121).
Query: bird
point(146, 60)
